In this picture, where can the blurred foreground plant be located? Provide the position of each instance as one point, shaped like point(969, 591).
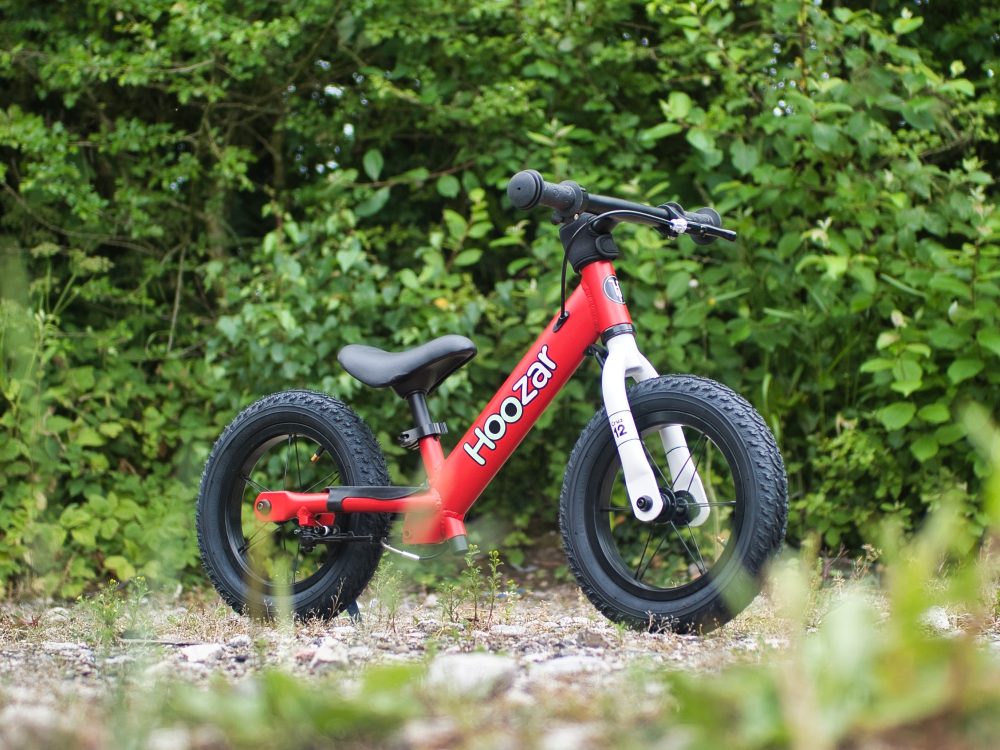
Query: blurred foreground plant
point(879, 670)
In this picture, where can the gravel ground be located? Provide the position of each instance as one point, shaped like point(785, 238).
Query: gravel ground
point(544, 669)
point(549, 632)
point(61, 667)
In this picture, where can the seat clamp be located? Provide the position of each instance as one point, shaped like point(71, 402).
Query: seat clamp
point(412, 436)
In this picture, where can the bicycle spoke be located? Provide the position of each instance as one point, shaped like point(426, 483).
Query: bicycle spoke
point(643, 555)
point(697, 547)
point(701, 568)
point(248, 541)
point(652, 462)
point(651, 558)
point(284, 484)
point(256, 485)
point(324, 479)
point(298, 468)
point(694, 468)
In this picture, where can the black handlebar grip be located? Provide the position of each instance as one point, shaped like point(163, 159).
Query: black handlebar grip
point(527, 189)
point(704, 216)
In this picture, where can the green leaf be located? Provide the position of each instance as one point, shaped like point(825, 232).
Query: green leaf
point(964, 368)
point(372, 163)
point(701, 140)
point(467, 257)
point(936, 413)
point(924, 448)
point(111, 429)
point(876, 364)
point(374, 203)
point(456, 223)
point(896, 416)
point(657, 132)
point(121, 567)
point(448, 185)
point(688, 22)
point(745, 157)
point(906, 25)
point(679, 104)
point(408, 279)
point(88, 437)
point(825, 136)
point(989, 338)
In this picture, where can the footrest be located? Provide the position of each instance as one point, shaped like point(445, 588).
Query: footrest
point(336, 495)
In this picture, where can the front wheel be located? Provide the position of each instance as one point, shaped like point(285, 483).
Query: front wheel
point(671, 573)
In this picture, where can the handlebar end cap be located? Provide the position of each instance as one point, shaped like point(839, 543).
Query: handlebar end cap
point(525, 189)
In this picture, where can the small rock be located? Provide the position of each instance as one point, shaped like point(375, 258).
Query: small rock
point(169, 739)
point(563, 665)
point(568, 737)
point(360, 653)
point(592, 639)
point(240, 641)
point(305, 654)
point(30, 726)
point(430, 733)
point(56, 614)
point(474, 676)
point(510, 630)
point(330, 652)
point(162, 669)
point(201, 652)
point(60, 646)
point(936, 618)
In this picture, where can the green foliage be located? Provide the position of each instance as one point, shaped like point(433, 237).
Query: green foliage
point(281, 710)
point(113, 612)
point(202, 201)
point(865, 672)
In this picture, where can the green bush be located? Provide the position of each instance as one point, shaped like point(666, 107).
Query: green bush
point(203, 201)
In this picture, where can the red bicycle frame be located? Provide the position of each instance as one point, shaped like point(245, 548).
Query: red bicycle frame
point(437, 514)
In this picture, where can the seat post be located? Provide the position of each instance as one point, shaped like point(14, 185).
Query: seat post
point(424, 427)
point(418, 407)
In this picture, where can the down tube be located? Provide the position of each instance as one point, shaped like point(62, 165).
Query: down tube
point(502, 425)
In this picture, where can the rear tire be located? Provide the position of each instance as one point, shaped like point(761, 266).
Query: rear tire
point(667, 574)
point(262, 568)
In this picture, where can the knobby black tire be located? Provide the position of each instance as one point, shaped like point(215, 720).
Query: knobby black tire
point(346, 568)
point(758, 515)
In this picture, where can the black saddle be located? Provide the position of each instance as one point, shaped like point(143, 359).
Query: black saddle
point(417, 370)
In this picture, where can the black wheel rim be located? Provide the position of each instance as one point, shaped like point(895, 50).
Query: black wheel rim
point(269, 557)
point(667, 560)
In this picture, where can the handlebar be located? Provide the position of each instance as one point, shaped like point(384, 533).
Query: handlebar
point(528, 189)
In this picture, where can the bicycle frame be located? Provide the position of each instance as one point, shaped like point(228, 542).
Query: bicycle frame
point(436, 514)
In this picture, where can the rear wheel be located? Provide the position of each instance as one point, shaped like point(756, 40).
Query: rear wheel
point(670, 573)
point(303, 442)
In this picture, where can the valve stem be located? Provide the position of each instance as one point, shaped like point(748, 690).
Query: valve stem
point(315, 456)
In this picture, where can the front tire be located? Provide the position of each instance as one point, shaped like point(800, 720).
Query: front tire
point(264, 569)
point(669, 574)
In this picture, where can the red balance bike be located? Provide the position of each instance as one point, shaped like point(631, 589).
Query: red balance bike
point(673, 501)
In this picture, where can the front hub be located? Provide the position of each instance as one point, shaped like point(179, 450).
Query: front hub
point(677, 507)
